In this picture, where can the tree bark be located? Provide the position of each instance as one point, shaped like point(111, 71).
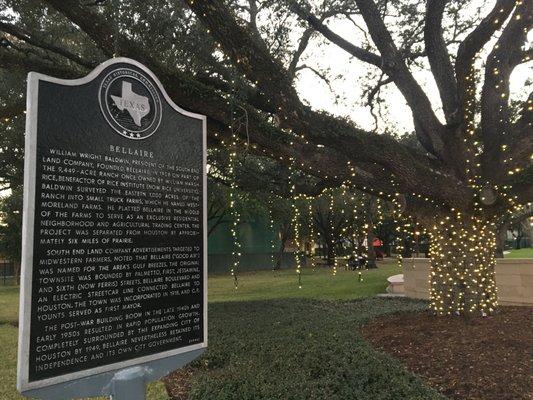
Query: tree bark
point(500, 240)
point(16, 272)
point(279, 257)
point(370, 251)
point(462, 266)
point(330, 253)
point(518, 241)
point(285, 235)
point(387, 247)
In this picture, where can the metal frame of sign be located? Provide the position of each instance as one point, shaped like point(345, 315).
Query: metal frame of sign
point(23, 384)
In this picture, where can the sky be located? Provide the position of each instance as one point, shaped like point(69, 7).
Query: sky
point(398, 118)
point(330, 56)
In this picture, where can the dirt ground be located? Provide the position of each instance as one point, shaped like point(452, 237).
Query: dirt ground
point(477, 359)
point(178, 383)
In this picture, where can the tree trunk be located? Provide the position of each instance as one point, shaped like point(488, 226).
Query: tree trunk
point(462, 266)
point(370, 251)
point(330, 254)
point(387, 248)
point(279, 257)
point(283, 243)
point(16, 272)
point(285, 234)
point(407, 251)
point(500, 240)
point(518, 241)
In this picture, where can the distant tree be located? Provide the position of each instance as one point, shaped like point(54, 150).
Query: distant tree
point(218, 206)
point(329, 225)
point(520, 230)
point(341, 216)
point(517, 223)
point(11, 167)
point(281, 213)
point(11, 228)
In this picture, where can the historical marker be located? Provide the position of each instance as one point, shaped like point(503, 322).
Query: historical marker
point(114, 237)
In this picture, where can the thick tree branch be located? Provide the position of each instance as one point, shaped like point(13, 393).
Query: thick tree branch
point(254, 11)
point(340, 138)
point(319, 26)
point(302, 45)
point(322, 129)
point(258, 174)
point(34, 40)
point(106, 37)
point(495, 112)
point(11, 59)
point(250, 55)
point(439, 59)
point(430, 129)
point(247, 93)
point(520, 57)
point(475, 41)
point(384, 150)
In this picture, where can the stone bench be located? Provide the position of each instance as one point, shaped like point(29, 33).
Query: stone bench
point(395, 284)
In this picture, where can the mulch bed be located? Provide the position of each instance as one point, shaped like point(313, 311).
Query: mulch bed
point(476, 359)
point(178, 383)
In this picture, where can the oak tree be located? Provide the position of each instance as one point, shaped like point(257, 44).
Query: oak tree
point(233, 58)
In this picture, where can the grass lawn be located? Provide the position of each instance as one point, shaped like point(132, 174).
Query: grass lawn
point(9, 304)
point(269, 339)
point(8, 362)
point(520, 253)
point(8, 367)
point(318, 284)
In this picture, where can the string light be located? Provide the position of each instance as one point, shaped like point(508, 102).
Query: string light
point(462, 277)
point(311, 228)
point(234, 210)
point(332, 226)
point(236, 219)
point(271, 227)
point(295, 223)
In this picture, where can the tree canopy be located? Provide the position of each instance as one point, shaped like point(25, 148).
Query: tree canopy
point(223, 58)
point(239, 61)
